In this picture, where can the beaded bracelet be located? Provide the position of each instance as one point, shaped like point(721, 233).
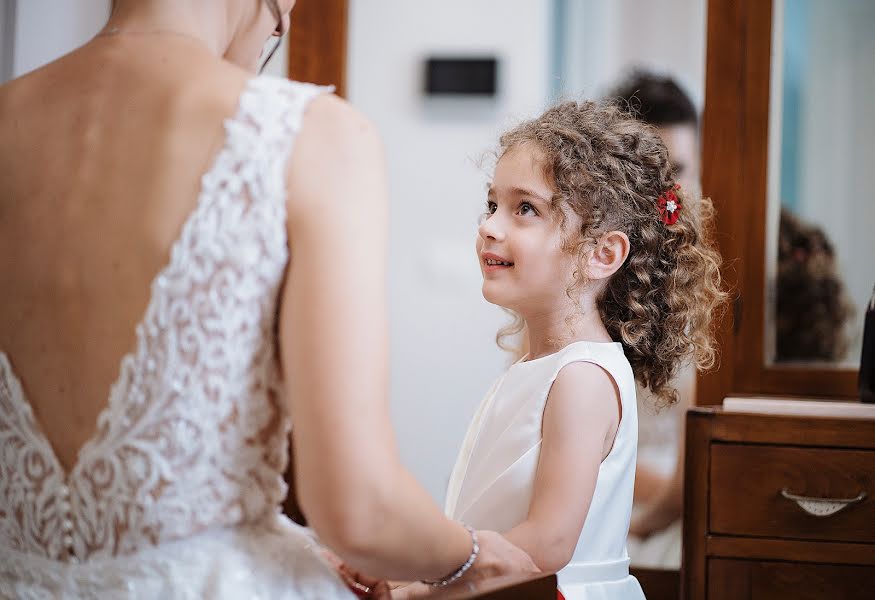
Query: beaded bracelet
point(475, 550)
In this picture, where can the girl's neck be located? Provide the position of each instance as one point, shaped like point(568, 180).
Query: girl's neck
point(549, 332)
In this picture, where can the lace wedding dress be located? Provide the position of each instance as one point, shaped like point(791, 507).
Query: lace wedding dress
point(177, 493)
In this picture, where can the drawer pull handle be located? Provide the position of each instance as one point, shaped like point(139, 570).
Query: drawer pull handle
point(822, 507)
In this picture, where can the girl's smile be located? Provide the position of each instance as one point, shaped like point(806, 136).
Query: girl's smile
point(492, 262)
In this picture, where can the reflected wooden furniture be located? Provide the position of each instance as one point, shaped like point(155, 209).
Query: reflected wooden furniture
point(752, 484)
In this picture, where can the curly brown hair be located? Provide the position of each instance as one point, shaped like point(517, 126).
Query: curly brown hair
point(610, 169)
point(813, 306)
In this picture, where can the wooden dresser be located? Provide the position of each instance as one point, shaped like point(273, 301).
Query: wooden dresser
point(757, 523)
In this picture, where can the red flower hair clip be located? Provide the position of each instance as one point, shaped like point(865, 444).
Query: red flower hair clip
point(669, 206)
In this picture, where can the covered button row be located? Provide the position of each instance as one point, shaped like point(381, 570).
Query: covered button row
point(67, 521)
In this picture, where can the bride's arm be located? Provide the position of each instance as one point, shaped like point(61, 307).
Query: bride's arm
point(334, 348)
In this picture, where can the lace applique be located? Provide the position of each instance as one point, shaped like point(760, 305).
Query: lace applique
point(194, 435)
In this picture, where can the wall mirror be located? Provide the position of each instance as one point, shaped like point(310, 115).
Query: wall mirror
point(820, 259)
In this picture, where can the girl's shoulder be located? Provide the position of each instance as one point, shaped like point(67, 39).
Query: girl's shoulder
point(609, 356)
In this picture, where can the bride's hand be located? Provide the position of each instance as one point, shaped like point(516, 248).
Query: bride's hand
point(412, 590)
point(361, 585)
point(499, 557)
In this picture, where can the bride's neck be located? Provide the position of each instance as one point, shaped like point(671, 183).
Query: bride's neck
point(207, 21)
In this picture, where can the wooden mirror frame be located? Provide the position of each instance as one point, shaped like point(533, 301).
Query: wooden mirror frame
point(735, 136)
point(317, 43)
point(317, 54)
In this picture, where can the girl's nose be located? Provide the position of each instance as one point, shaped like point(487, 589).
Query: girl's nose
point(491, 229)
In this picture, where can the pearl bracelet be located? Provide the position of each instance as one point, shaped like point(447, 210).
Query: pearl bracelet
point(475, 550)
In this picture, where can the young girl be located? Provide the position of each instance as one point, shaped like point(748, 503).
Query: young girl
point(609, 268)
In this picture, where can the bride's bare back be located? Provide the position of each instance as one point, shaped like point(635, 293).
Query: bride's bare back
point(100, 165)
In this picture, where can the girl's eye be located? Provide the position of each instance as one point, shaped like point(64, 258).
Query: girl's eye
point(526, 209)
point(491, 207)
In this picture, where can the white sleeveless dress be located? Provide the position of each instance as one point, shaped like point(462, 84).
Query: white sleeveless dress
point(177, 494)
point(492, 483)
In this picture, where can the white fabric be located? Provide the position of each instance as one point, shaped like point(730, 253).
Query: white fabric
point(177, 494)
point(659, 434)
point(492, 483)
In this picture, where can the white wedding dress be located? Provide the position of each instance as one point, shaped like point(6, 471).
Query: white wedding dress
point(177, 493)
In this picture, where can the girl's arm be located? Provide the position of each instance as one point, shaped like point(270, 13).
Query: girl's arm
point(334, 353)
point(580, 422)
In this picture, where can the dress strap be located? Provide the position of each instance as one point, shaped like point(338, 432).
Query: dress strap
point(262, 133)
point(609, 356)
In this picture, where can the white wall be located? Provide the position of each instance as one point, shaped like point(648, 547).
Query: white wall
point(7, 38)
point(46, 29)
point(603, 39)
point(444, 356)
point(836, 148)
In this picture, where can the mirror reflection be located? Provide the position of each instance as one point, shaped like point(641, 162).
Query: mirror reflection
point(821, 262)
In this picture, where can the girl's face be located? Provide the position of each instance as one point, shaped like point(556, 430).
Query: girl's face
point(519, 241)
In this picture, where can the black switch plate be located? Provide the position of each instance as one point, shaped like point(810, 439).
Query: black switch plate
point(466, 76)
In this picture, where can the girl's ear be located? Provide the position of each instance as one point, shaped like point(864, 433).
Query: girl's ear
point(608, 255)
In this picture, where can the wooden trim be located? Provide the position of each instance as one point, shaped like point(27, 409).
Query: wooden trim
point(735, 130)
point(317, 53)
point(802, 551)
point(695, 512)
point(317, 42)
point(752, 183)
point(836, 383)
point(721, 164)
point(797, 431)
point(510, 587)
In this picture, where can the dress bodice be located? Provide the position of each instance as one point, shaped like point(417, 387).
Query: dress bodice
point(194, 434)
point(492, 484)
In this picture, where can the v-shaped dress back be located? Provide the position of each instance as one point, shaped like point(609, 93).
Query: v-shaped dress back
point(177, 493)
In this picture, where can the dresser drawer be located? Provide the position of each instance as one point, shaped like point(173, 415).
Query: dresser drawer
point(761, 490)
point(764, 580)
